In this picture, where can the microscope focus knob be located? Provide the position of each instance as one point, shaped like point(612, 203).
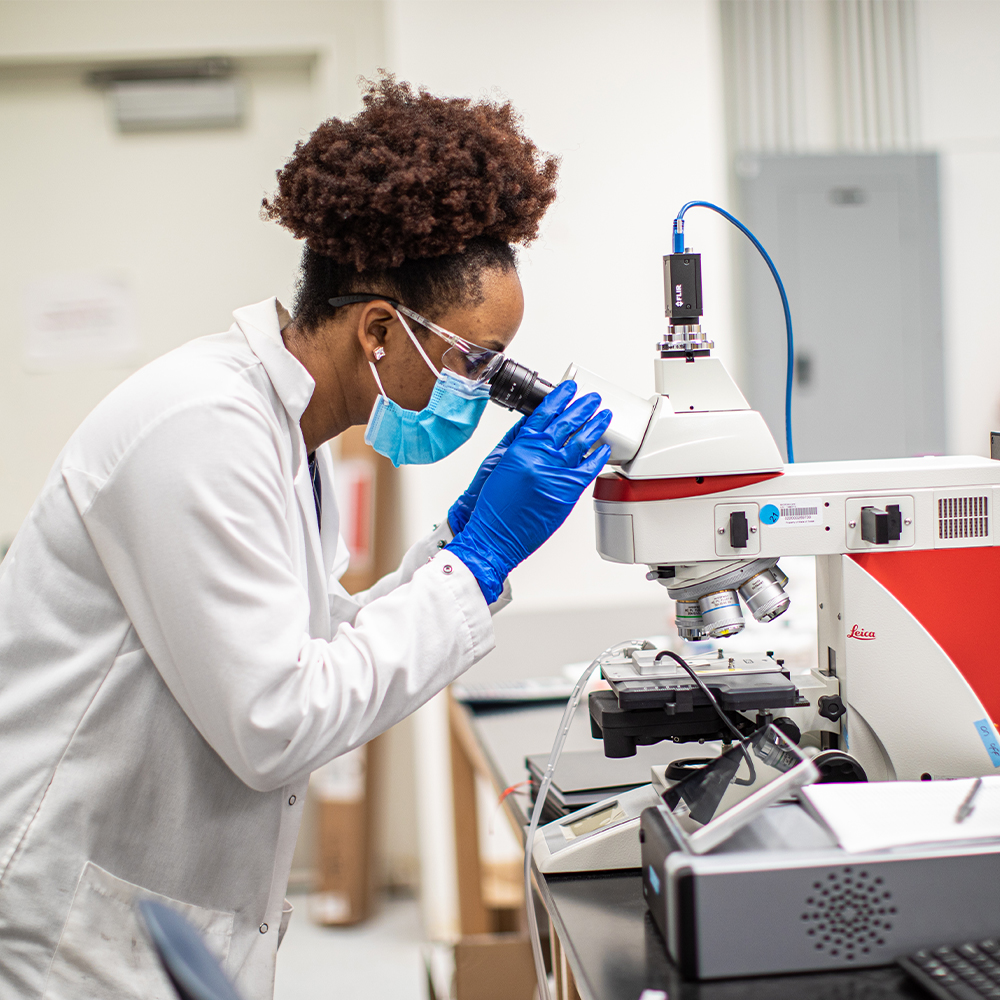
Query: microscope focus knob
point(785, 725)
point(831, 707)
point(837, 766)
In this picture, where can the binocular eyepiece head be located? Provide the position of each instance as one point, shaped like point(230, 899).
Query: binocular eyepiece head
point(518, 388)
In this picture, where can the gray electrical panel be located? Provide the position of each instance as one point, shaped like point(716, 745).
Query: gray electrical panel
point(856, 241)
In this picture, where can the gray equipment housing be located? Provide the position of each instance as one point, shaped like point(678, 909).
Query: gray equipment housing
point(781, 896)
point(856, 240)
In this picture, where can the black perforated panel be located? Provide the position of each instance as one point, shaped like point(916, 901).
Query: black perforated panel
point(849, 914)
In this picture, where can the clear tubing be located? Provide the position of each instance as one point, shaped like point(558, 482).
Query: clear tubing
point(536, 814)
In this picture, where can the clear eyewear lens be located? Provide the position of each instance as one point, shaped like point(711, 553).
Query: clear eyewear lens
point(463, 358)
point(477, 364)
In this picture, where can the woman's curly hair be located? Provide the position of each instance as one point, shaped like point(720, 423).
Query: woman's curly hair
point(413, 175)
point(413, 182)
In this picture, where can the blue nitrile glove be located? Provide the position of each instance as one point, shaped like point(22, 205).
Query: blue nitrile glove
point(534, 486)
point(461, 510)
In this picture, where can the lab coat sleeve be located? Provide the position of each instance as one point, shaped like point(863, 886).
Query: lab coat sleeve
point(416, 556)
point(193, 529)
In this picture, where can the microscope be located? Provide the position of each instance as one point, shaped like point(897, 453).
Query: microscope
point(904, 687)
point(908, 576)
point(905, 683)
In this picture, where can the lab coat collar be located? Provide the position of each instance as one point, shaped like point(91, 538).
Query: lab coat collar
point(262, 324)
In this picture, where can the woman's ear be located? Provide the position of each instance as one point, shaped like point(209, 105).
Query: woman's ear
point(373, 324)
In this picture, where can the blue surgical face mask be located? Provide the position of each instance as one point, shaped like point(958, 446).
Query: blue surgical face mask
point(419, 437)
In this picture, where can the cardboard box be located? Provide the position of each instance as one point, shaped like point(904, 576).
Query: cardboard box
point(343, 844)
point(494, 967)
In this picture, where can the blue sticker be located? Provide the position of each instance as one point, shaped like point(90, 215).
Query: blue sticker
point(989, 737)
point(769, 514)
point(654, 880)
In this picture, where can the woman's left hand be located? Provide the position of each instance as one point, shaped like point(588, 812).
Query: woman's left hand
point(461, 510)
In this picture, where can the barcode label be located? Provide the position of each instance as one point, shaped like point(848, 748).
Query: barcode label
point(793, 513)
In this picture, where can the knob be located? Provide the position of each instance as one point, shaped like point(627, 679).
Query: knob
point(831, 707)
point(879, 527)
point(739, 529)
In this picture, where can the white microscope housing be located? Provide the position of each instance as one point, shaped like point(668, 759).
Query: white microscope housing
point(908, 569)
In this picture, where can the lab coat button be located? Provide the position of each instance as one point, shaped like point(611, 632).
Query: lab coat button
point(263, 928)
point(447, 568)
point(291, 800)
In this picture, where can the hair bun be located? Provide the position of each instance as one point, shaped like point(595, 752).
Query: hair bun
point(413, 176)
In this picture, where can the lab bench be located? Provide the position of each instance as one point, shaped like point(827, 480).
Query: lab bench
point(603, 942)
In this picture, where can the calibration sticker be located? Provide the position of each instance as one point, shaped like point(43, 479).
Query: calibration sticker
point(793, 512)
point(989, 737)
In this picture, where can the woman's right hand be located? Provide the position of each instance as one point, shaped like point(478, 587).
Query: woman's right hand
point(534, 486)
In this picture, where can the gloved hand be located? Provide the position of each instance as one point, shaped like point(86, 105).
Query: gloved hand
point(534, 486)
point(461, 510)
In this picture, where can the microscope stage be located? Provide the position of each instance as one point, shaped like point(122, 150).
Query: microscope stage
point(643, 663)
point(743, 682)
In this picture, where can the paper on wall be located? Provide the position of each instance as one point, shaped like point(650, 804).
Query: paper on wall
point(73, 319)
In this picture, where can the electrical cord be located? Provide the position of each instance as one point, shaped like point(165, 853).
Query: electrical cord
point(789, 340)
point(546, 784)
point(536, 813)
point(718, 708)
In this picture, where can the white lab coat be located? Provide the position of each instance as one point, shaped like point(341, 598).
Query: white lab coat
point(176, 656)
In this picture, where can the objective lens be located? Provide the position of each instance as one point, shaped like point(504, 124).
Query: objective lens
point(687, 617)
point(518, 388)
point(721, 614)
point(764, 595)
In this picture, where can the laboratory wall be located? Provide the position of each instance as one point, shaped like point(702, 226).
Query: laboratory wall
point(629, 96)
point(170, 219)
point(959, 97)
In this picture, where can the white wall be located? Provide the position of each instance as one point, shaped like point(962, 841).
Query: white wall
point(174, 215)
point(630, 96)
point(959, 68)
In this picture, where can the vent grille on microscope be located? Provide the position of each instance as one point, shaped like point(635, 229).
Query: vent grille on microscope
point(963, 517)
point(849, 914)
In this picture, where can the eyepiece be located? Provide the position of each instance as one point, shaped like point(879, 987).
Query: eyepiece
point(518, 388)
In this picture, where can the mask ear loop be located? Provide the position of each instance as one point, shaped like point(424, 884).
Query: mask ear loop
point(416, 344)
point(378, 381)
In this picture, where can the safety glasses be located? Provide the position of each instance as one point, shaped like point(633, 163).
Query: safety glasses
point(461, 357)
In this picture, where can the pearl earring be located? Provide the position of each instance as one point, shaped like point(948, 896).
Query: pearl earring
point(379, 353)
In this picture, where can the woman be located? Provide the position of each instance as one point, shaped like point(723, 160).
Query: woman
point(176, 654)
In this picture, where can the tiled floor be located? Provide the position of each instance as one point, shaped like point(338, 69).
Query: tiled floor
point(378, 959)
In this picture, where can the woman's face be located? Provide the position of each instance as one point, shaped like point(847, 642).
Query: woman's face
point(489, 323)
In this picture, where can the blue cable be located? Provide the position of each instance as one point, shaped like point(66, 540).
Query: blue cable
point(679, 248)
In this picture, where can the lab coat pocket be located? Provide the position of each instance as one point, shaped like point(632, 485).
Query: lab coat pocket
point(343, 608)
point(286, 915)
point(104, 952)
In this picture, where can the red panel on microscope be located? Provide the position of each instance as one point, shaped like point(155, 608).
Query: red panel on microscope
point(955, 595)
point(613, 486)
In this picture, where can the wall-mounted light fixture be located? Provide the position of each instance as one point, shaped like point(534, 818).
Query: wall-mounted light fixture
point(179, 94)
